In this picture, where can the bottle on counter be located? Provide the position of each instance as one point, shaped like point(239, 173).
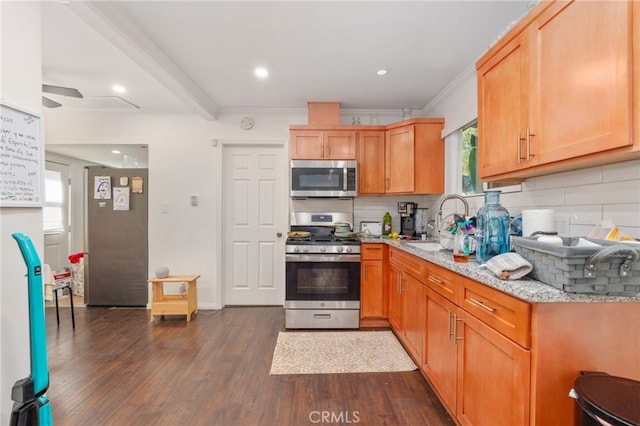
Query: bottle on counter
point(386, 224)
point(462, 242)
point(492, 228)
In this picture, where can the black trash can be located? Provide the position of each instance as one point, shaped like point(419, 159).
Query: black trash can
point(602, 399)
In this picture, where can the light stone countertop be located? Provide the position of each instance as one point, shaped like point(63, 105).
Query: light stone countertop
point(526, 289)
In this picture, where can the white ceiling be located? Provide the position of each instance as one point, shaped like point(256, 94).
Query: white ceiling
point(199, 56)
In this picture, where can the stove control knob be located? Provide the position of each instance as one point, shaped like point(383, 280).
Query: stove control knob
point(349, 249)
point(323, 249)
point(305, 249)
point(339, 249)
point(296, 249)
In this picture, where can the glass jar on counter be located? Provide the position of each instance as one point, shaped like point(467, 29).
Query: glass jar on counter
point(493, 228)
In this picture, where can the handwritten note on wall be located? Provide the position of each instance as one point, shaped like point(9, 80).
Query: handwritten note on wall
point(21, 157)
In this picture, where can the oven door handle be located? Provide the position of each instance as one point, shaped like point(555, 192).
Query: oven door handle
point(322, 258)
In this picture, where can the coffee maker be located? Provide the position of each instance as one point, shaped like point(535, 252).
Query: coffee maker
point(407, 217)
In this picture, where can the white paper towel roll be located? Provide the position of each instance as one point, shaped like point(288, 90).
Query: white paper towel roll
point(537, 220)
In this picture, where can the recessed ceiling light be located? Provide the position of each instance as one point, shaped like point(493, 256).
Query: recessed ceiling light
point(382, 72)
point(118, 88)
point(261, 72)
point(115, 151)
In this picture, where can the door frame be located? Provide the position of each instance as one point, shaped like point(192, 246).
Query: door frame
point(218, 214)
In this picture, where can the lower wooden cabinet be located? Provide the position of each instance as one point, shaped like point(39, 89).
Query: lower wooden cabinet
point(395, 298)
point(478, 373)
point(494, 359)
point(440, 360)
point(413, 315)
point(374, 290)
point(493, 376)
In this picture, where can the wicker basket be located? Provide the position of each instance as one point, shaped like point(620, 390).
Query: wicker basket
point(613, 269)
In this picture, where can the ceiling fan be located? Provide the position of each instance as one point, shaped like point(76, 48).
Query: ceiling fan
point(58, 90)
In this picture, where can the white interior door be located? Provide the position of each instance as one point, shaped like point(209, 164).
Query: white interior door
point(56, 216)
point(254, 224)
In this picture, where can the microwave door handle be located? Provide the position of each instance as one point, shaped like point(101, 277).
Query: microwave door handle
point(345, 178)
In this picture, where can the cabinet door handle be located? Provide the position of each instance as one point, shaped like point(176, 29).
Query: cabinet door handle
point(449, 328)
point(529, 134)
point(456, 339)
point(388, 182)
point(482, 305)
point(345, 179)
point(518, 148)
point(435, 280)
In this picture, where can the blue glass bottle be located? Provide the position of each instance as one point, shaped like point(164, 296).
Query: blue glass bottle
point(493, 228)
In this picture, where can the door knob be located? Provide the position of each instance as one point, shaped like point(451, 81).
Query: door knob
point(279, 234)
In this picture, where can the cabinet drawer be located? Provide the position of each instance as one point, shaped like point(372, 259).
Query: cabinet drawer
point(372, 251)
point(506, 314)
point(408, 263)
point(442, 281)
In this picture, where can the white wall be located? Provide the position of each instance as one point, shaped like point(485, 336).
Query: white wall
point(182, 162)
point(20, 81)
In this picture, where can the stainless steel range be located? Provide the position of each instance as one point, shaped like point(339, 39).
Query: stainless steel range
point(322, 273)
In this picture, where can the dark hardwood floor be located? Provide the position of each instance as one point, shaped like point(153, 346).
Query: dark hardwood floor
point(118, 368)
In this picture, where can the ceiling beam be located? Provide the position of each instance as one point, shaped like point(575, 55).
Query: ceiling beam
point(109, 20)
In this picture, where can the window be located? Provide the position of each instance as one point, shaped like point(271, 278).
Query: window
point(471, 183)
point(53, 209)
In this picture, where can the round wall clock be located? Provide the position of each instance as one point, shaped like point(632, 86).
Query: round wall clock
point(246, 123)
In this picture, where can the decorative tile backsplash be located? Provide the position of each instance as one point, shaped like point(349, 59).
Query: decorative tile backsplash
point(582, 197)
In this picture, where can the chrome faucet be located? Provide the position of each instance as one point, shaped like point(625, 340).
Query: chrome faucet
point(451, 197)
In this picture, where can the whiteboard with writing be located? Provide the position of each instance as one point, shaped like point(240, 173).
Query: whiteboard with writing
point(21, 159)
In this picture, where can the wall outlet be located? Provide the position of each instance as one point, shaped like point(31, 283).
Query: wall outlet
point(562, 226)
point(183, 288)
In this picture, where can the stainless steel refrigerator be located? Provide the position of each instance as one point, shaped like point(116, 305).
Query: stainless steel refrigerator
point(116, 237)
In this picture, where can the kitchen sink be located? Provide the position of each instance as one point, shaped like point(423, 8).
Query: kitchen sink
point(425, 245)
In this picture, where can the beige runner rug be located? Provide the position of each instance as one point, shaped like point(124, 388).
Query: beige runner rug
point(324, 352)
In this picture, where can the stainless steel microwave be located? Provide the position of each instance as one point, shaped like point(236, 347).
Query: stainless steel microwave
point(319, 178)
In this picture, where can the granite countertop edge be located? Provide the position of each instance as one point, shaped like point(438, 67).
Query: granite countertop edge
point(527, 289)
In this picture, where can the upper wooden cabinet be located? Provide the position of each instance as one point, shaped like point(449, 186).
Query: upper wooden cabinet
point(405, 158)
point(503, 109)
point(322, 145)
point(371, 162)
point(399, 163)
point(414, 157)
point(401, 158)
point(554, 94)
